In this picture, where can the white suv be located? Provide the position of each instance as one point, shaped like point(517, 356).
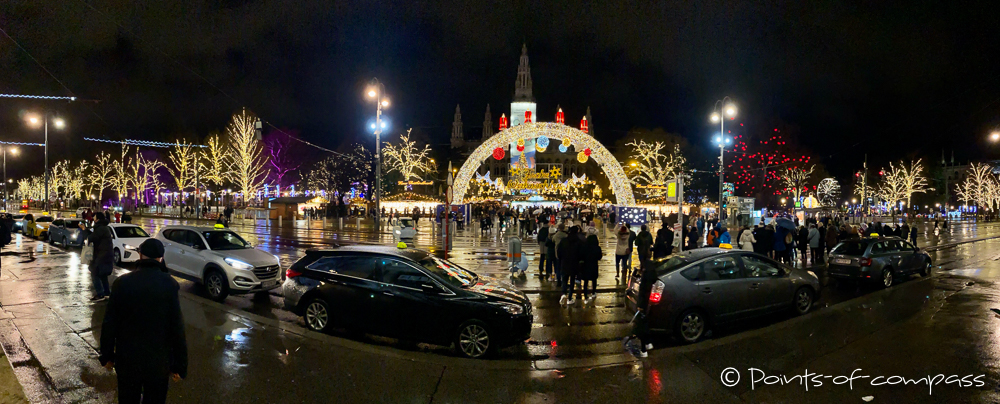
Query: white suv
point(218, 259)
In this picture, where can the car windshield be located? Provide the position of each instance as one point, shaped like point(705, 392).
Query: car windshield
point(854, 248)
point(406, 222)
point(44, 219)
point(225, 240)
point(450, 272)
point(18, 217)
point(73, 223)
point(130, 231)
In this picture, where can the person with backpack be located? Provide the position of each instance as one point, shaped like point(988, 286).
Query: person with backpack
point(621, 251)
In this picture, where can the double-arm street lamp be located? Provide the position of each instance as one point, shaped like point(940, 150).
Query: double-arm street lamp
point(376, 91)
point(35, 120)
point(723, 109)
point(6, 183)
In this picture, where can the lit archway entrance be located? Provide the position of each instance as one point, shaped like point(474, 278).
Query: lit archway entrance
point(556, 132)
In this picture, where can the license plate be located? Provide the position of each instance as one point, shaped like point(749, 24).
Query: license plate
point(841, 261)
point(268, 284)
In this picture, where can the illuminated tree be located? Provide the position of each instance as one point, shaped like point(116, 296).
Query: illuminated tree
point(406, 159)
point(120, 178)
point(285, 155)
point(913, 179)
point(891, 188)
point(338, 173)
point(184, 158)
point(828, 192)
point(248, 164)
point(978, 185)
point(653, 166)
point(215, 164)
point(100, 174)
point(76, 185)
point(755, 166)
point(794, 180)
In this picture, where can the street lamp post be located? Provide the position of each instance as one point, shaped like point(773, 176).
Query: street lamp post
point(34, 120)
point(377, 91)
point(6, 187)
point(723, 108)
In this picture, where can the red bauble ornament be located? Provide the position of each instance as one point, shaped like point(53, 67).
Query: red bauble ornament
point(586, 152)
point(520, 148)
point(498, 153)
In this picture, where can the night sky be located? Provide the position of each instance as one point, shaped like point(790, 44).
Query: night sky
point(893, 79)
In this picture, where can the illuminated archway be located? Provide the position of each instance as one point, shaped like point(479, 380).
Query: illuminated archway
point(556, 132)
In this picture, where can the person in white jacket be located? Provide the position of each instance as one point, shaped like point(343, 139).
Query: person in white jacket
point(747, 240)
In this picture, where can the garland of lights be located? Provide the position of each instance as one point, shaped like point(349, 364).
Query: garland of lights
point(37, 97)
point(143, 143)
point(616, 176)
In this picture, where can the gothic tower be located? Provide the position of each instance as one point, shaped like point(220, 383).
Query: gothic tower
point(523, 100)
point(590, 122)
point(457, 138)
point(487, 124)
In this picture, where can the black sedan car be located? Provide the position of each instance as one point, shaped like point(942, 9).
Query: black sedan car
point(407, 294)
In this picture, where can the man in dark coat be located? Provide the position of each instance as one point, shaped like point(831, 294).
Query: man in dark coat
point(142, 335)
point(570, 252)
point(104, 260)
point(644, 245)
point(543, 237)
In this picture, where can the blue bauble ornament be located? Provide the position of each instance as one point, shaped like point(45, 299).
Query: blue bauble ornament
point(563, 148)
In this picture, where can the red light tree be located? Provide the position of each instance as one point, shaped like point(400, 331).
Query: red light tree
point(755, 163)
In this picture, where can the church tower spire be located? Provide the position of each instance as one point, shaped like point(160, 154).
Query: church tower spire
point(590, 122)
point(522, 86)
point(457, 138)
point(488, 124)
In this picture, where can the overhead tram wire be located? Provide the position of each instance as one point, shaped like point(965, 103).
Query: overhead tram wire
point(190, 70)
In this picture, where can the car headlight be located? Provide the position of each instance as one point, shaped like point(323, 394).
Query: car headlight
point(237, 264)
point(813, 274)
point(73, 236)
point(130, 247)
point(513, 309)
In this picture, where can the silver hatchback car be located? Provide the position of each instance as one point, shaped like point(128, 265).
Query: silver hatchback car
point(881, 260)
point(700, 288)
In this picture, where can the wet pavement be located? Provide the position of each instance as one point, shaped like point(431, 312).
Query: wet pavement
point(248, 349)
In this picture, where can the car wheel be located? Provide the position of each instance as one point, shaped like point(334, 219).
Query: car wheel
point(692, 326)
point(803, 300)
point(65, 243)
point(887, 278)
point(474, 339)
point(118, 257)
point(216, 285)
point(926, 270)
point(317, 315)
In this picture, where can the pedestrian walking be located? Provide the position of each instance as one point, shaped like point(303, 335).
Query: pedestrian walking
point(103, 263)
point(913, 235)
point(661, 248)
point(814, 244)
point(832, 237)
point(621, 252)
point(644, 243)
point(592, 254)
point(543, 237)
point(142, 335)
point(570, 253)
point(558, 238)
point(782, 245)
point(724, 237)
point(746, 240)
point(802, 242)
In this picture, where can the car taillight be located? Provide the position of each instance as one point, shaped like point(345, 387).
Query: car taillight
point(291, 273)
point(656, 294)
point(864, 261)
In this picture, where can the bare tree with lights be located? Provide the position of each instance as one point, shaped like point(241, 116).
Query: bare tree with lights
point(183, 163)
point(338, 173)
point(100, 174)
point(913, 179)
point(120, 179)
point(978, 186)
point(247, 162)
point(406, 159)
point(654, 166)
point(795, 180)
